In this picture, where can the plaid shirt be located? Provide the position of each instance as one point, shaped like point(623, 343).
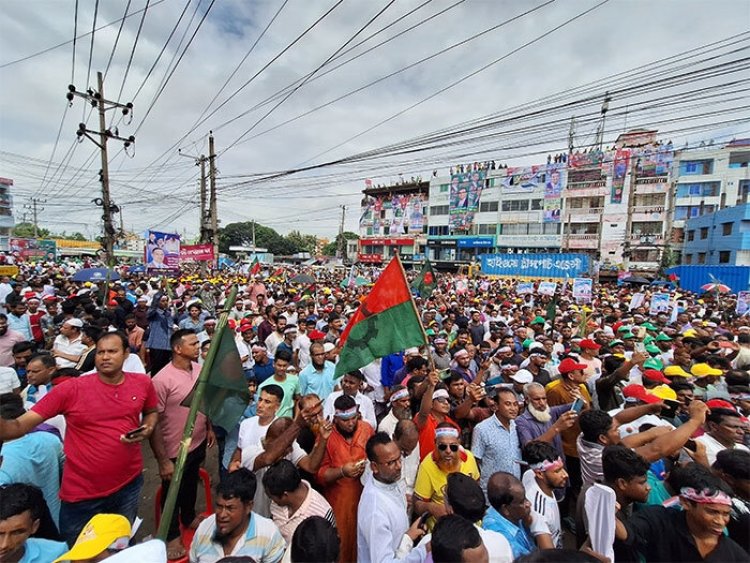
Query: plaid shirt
point(262, 542)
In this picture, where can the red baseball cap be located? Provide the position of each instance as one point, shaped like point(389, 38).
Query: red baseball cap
point(720, 404)
point(638, 392)
point(655, 375)
point(588, 344)
point(316, 335)
point(569, 364)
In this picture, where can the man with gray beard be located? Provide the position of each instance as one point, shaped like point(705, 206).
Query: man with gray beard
point(400, 402)
point(540, 421)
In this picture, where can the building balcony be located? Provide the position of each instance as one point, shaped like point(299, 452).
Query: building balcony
point(646, 239)
point(587, 241)
point(648, 213)
point(584, 214)
point(651, 188)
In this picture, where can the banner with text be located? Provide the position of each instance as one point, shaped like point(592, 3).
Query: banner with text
point(196, 252)
point(33, 249)
point(466, 189)
point(522, 179)
point(537, 266)
point(619, 171)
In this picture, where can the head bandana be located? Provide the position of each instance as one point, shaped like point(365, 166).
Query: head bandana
point(446, 433)
point(257, 348)
point(702, 497)
point(398, 395)
point(547, 465)
point(347, 414)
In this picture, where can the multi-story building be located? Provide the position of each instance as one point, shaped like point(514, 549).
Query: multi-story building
point(6, 212)
point(393, 219)
point(721, 237)
point(708, 179)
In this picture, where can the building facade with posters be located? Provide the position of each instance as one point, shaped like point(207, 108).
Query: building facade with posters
point(7, 222)
point(706, 180)
point(393, 219)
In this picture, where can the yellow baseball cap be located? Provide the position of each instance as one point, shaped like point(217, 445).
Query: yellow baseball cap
point(103, 531)
point(676, 371)
point(704, 370)
point(663, 392)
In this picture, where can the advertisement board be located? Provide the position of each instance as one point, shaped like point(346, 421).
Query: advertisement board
point(559, 266)
point(162, 252)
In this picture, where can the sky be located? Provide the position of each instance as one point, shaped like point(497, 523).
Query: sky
point(367, 103)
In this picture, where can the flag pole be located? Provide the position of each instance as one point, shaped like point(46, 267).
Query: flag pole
point(416, 312)
point(187, 434)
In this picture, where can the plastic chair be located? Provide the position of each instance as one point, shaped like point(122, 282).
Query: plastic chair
point(186, 533)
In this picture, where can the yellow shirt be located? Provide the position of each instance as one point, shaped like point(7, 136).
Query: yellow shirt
point(431, 480)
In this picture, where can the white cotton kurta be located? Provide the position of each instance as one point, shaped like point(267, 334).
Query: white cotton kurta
point(382, 523)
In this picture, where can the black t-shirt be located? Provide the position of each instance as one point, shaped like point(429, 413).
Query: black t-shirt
point(661, 534)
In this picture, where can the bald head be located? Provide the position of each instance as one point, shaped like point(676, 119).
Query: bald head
point(500, 489)
point(406, 435)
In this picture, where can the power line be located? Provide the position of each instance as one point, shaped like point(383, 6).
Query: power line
point(75, 33)
point(132, 51)
point(91, 50)
point(117, 38)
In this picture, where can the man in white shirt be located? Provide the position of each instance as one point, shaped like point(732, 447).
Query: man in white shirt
point(68, 347)
point(253, 430)
point(351, 384)
point(545, 474)
point(383, 531)
point(724, 429)
point(277, 336)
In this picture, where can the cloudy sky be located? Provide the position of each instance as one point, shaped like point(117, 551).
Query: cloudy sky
point(364, 74)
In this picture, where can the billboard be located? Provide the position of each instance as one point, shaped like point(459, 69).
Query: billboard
point(619, 171)
point(189, 253)
point(653, 160)
point(553, 186)
point(162, 252)
point(522, 179)
point(465, 191)
point(538, 266)
point(33, 249)
point(400, 214)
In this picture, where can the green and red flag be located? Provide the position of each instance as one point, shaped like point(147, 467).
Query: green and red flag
point(426, 281)
point(255, 267)
point(386, 322)
point(308, 292)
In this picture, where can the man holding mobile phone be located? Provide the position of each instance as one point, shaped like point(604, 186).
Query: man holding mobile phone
point(103, 467)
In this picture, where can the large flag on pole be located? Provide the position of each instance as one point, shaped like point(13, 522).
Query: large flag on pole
point(255, 267)
point(385, 322)
point(426, 281)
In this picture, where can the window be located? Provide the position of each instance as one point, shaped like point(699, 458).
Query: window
point(551, 228)
point(696, 167)
point(535, 229)
point(725, 256)
point(691, 236)
point(516, 205)
point(726, 229)
point(537, 204)
point(701, 258)
point(514, 228)
point(699, 189)
point(739, 159)
point(704, 233)
point(743, 192)
point(647, 227)
point(439, 210)
point(488, 206)
point(486, 229)
point(575, 202)
point(438, 231)
point(645, 255)
point(444, 188)
point(688, 259)
point(649, 200)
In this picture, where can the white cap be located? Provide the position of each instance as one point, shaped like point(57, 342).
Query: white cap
point(328, 346)
point(522, 376)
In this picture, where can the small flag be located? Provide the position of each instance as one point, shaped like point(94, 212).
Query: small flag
point(386, 322)
point(426, 281)
point(255, 267)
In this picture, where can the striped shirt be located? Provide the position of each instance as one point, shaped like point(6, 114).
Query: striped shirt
point(313, 505)
point(262, 542)
point(543, 505)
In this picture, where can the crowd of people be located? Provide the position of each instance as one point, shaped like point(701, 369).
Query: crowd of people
point(527, 428)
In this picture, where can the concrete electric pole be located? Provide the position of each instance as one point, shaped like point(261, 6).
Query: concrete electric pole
point(35, 210)
point(102, 105)
point(341, 252)
point(212, 198)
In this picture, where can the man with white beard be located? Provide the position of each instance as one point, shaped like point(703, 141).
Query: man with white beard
point(541, 422)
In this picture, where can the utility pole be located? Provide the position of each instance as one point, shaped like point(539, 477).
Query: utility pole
point(341, 252)
point(98, 101)
point(35, 210)
point(212, 197)
point(571, 134)
point(602, 121)
point(204, 213)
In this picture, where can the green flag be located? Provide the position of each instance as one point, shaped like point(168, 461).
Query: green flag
point(385, 322)
point(225, 397)
point(426, 281)
point(552, 308)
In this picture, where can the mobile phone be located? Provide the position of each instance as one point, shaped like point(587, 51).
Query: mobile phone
point(423, 520)
point(135, 432)
point(640, 347)
point(690, 445)
point(577, 405)
point(670, 408)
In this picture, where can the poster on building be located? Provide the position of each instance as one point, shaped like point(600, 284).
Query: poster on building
point(416, 206)
point(582, 289)
point(659, 303)
point(196, 252)
point(547, 288)
point(400, 213)
point(586, 159)
point(522, 179)
point(524, 288)
point(619, 171)
point(653, 161)
point(743, 303)
point(555, 266)
point(162, 252)
point(553, 187)
point(465, 192)
point(26, 249)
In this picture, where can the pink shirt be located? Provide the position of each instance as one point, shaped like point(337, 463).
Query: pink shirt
point(97, 463)
point(6, 347)
point(172, 386)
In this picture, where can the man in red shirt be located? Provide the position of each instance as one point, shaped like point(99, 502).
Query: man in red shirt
point(108, 414)
point(173, 383)
point(433, 410)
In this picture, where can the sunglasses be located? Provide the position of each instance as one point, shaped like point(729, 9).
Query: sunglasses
point(443, 447)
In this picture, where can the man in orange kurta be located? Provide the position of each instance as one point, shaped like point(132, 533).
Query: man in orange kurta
point(343, 464)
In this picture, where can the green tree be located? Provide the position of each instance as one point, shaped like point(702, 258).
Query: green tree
point(330, 248)
point(26, 230)
point(241, 234)
point(301, 243)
